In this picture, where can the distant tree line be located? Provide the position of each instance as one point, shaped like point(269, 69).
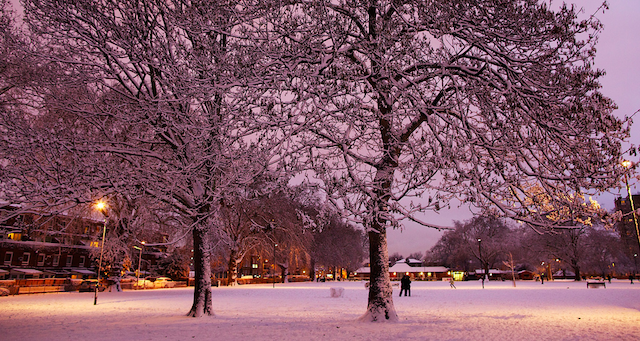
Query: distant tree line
point(486, 242)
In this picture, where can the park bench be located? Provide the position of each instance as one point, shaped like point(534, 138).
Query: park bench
point(592, 284)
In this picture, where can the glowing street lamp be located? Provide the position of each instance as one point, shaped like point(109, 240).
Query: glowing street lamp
point(628, 164)
point(139, 263)
point(102, 207)
point(274, 264)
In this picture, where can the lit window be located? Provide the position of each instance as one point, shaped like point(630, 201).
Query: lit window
point(8, 257)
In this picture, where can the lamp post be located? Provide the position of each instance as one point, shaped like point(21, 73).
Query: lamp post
point(627, 164)
point(139, 262)
point(273, 275)
point(102, 207)
point(481, 262)
point(635, 262)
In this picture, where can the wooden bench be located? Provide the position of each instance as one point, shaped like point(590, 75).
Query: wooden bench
point(596, 285)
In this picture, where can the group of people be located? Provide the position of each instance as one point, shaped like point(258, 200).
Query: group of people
point(405, 285)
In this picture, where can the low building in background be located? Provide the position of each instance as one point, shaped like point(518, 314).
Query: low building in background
point(47, 246)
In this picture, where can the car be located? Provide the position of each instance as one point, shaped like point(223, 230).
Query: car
point(89, 285)
point(162, 282)
point(144, 284)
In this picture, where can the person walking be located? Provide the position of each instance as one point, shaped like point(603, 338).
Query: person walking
point(451, 284)
point(405, 285)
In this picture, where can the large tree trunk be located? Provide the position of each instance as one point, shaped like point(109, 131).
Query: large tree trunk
point(312, 269)
point(576, 269)
point(202, 304)
point(380, 304)
point(232, 273)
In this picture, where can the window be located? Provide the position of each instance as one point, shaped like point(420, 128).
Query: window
point(8, 257)
point(40, 259)
point(56, 260)
point(82, 260)
point(15, 236)
point(26, 257)
point(69, 260)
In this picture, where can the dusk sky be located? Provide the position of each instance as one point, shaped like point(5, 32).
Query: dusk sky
point(619, 55)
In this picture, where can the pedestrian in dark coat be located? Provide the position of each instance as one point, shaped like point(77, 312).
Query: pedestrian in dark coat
point(405, 285)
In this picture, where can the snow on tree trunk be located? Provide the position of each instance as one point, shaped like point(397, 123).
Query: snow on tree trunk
point(232, 273)
point(284, 271)
point(202, 304)
point(380, 304)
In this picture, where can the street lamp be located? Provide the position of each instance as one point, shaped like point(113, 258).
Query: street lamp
point(481, 262)
point(273, 275)
point(627, 164)
point(102, 207)
point(139, 263)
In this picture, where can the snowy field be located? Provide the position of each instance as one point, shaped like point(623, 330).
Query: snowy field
point(305, 311)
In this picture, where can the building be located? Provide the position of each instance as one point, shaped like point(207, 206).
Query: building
point(411, 267)
point(44, 245)
point(627, 227)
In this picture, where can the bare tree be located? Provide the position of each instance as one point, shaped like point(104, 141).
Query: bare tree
point(448, 251)
point(510, 263)
point(395, 257)
point(474, 100)
point(155, 111)
point(337, 245)
point(486, 239)
point(416, 255)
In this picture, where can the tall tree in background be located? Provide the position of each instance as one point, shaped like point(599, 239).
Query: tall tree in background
point(435, 100)
point(337, 245)
point(486, 238)
point(448, 252)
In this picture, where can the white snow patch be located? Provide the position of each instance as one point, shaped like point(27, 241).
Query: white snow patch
point(304, 311)
point(337, 291)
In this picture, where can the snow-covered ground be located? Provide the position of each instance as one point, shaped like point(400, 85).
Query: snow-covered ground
point(306, 311)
